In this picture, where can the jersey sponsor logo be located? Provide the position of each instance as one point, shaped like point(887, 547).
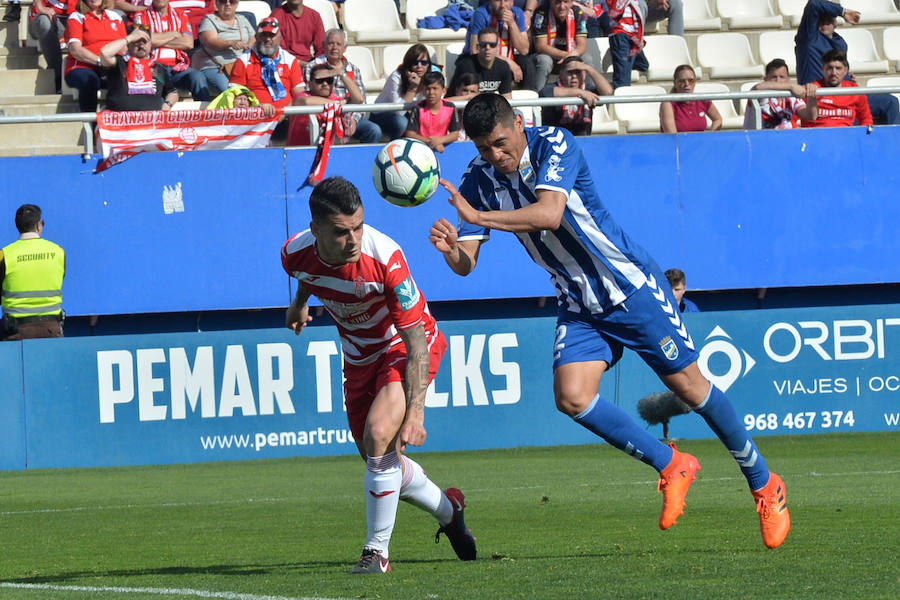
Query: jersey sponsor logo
point(554, 169)
point(407, 294)
point(669, 348)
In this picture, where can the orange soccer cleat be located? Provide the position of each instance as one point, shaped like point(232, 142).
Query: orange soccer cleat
point(674, 482)
point(774, 518)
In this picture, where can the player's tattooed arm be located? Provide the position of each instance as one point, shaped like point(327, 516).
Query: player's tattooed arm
point(297, 315)
point(415, 385)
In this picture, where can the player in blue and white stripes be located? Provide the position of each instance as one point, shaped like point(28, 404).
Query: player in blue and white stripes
point(535, 183)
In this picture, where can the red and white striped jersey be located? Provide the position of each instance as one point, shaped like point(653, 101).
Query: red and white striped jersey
point(369, 300)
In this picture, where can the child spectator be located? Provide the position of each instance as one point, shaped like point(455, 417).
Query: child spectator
point(434, 120)
point(626, 40)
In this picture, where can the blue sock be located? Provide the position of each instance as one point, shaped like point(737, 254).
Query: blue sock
point(718, 413)
point(615, 426)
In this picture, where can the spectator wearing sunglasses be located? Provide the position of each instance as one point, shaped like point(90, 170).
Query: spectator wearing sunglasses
point(403, 86)
point(321, 85)
point(224, 36)
point(510, 23)
point(349, 74)
point(492, 75)
point(689, 115)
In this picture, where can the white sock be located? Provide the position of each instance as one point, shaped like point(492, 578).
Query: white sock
point(420, 491)
point(382, 487)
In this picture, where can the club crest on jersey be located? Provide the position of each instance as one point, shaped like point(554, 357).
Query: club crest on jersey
point(669, 348)
point(553, 169)
point(407, 294)
point(526, 171)
point(359, 286)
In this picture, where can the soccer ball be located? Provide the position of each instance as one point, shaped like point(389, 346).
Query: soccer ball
point(406, 172)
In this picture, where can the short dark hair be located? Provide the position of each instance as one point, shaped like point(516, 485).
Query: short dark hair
point(835, 55)
point(487, 30)
point(775, 64)
point(333, 196)
point(27, 218)
point(569, 60)
point(825, 19)
point(464, 79)
point(675, 276)
point(484, 112)
point(433, 77)
point(316, 68)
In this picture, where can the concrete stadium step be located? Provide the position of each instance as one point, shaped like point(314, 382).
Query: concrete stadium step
point(43, 104)
point(24, 82)
point(20, 58)
point(24, 139)
point(43, 151)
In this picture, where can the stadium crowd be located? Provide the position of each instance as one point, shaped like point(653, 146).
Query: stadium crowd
point(203, 47)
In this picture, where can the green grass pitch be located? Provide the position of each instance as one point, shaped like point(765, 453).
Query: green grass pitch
point(564, 522)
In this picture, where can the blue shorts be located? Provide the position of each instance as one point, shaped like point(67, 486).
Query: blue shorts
point(648, 322)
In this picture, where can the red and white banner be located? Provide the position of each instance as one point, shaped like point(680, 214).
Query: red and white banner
point(124, 134)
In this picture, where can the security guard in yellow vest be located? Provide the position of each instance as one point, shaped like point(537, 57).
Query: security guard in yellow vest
point(32, 270)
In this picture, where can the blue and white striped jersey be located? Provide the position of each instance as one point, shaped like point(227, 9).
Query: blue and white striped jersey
point(593, 264)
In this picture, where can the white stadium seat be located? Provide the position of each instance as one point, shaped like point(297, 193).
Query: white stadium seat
point(861, 52)
point(451, 53)
point(424, 8)
point(602, 121)
point(792, 10)
point(875, 11)
point(891, 45)
point(884, 82)
point(778, 44)
point(374, 21)
point(665, 52)
point(748, 14)
point(325, 10)
point(641, 116)
point(362, 58)
point(531, 114)
point(727, 56)
point(257, 8)
point(730, 118)
point(698, 16)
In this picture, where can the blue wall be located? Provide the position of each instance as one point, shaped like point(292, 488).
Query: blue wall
point(191, 397)
point(734, 210)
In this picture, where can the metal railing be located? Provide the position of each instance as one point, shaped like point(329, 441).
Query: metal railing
point(754, 96)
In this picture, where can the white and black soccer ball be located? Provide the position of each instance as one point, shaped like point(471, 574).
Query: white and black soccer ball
point(406, 172)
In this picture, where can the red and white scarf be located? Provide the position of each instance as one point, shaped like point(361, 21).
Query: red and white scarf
point(139, 75)
point(332, 127)
point(505, 49)
point(570, 29)
point(627, 19)
point(170, 22)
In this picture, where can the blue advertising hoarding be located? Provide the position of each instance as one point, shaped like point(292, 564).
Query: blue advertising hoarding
point(236, 395)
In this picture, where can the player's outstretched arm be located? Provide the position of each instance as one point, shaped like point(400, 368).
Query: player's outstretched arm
point(460, 256)
point(546, 213)
point(297, 315)
point(415, 384)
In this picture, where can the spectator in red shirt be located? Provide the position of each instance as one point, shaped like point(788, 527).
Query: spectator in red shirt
point(173, 39)
point(322, 78)
point(269, 71)
point(88, 29)
point(302, 31)
point(838, 111)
